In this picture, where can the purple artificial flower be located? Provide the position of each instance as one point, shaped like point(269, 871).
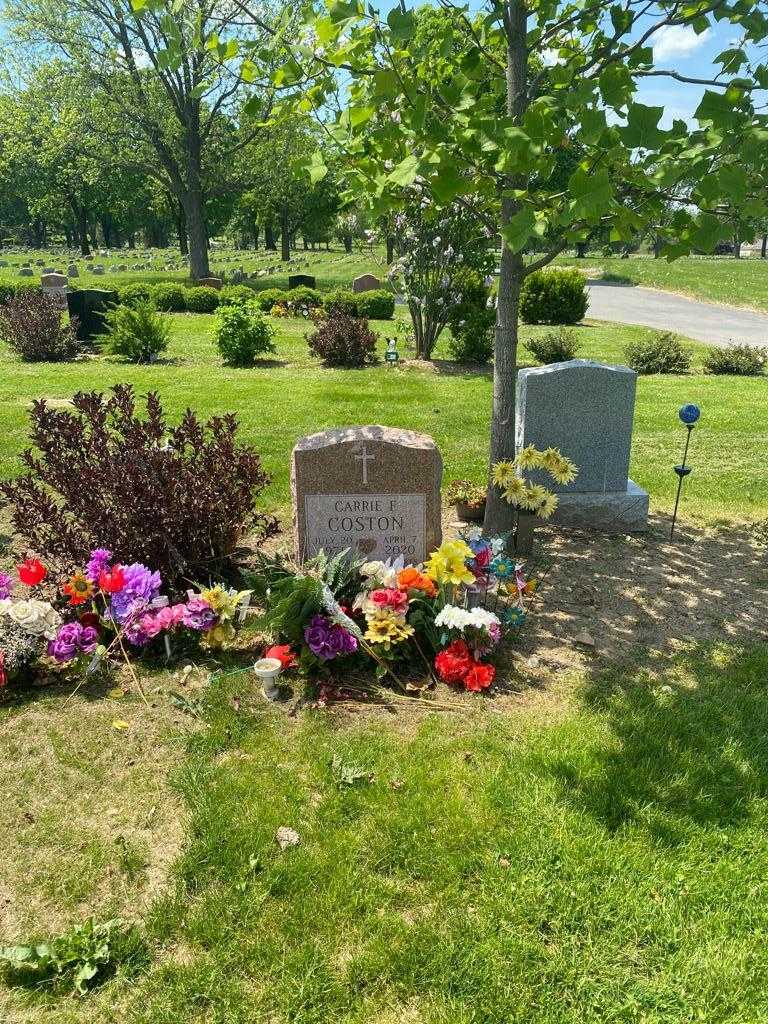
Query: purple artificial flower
point(328, 640)
point(198, 614)
point(6, 586)
point(97, 563)
point(141, 585)
point(73, 639)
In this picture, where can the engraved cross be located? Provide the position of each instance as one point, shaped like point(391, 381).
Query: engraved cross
point(363, 456)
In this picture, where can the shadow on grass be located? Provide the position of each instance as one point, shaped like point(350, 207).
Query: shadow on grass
point(687, 753)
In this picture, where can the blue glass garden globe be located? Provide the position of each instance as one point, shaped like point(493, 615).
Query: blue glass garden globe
point(689, 414)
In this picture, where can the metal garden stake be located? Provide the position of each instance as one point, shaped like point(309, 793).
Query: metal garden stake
point(689, 414)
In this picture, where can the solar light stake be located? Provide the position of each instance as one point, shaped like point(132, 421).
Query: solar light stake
point(689, 414)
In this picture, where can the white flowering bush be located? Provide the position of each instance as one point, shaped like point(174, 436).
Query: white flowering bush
point(436, 245)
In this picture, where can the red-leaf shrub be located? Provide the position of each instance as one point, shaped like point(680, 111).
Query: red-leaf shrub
point(176, 498)
point(344, 340)
point(30, 324)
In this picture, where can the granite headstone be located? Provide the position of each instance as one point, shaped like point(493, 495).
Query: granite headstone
point(55, 286)
point(301, 281)
point(366, 283)
point(88, 307)
point(210, 282)
point(373, 489)
point(585, 409)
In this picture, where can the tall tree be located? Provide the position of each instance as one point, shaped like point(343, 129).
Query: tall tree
point(170, 66)
point(487, 116)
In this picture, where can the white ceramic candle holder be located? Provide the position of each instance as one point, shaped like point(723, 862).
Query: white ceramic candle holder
point(267, 670)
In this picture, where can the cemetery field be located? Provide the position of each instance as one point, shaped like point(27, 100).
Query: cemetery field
point(292, 395)
point(713, 278)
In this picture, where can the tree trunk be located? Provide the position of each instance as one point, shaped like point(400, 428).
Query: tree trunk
point(82, 226)
point(192, 200)
point(390, 249)
point(269, 236)
point(736, 249)
point(181, 230)
point(499, 514)
point(581, 250)
point(132, 240)
point(256, 233)
point(764, 247)
point(285, 238)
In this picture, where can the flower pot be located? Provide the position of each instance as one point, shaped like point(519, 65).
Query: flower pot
point(267, 670)
point(473, 512)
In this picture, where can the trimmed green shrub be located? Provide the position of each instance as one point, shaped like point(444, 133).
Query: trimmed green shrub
point(341, 300)
point(553, 297)
point(10, 288)
point(344, 341)
point(243, 334)
point(131, 294)
point(554, 346)
point(271, 297)
point(471, 320)
point(137, 332)
point(236, 295)
point(303, 296)
point(378, 304)
point(170, 297)
point(737, 360)
point(202, 299)
point(663, 352)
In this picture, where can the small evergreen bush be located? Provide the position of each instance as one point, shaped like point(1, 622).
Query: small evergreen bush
point(169, 297)
point(344, 341)
point(31, 325)
point(554, 346)
point(471, 320)
point(236, 295)
point(271, 297)
point(737, 360)
point(303, 296)
point(131, 294)
point(377, 304)
point(341, 300)
point(202, 299)
point(137, 332)
point(663, 352)
point(243, 334)
point(553, 297)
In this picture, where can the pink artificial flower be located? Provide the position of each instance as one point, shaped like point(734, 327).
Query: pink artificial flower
point(397, 600)
point(151, 625)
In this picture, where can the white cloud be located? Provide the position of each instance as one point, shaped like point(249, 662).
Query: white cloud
point(677, 41)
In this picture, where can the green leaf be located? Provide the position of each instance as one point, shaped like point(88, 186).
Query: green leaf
point(591, 193)
point(317, 167)
point(518, 231)
point(713, 107)
point(405, 172)
point(448, 183)
point(642, 130)
point(401, 24)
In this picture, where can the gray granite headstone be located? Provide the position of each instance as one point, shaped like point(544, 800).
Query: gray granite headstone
point(585, 409)
point(55, 286)
point(374, 490)
point(301, 281)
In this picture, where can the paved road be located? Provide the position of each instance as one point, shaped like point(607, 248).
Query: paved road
point(626, 304)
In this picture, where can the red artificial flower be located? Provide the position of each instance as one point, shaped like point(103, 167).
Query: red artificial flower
point(31, 571)
point(483, 557)
point(89, 619)
point(284, 655)
point(479, 676)
point(454, 662)
point(3, 673)
point(112, 581)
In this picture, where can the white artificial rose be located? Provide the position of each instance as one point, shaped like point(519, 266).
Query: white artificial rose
point(37, 618)
point(371, 569)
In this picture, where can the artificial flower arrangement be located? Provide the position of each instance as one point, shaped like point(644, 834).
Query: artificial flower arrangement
point(105, 609)
point(533, 498)
point(444, 619)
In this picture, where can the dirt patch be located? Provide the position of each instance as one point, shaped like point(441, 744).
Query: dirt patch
point(641, 598)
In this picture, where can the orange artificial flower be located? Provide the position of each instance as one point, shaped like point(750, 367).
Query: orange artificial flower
point(78, 589)
point(412, 579)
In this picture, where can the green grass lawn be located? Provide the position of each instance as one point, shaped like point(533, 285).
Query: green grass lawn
point(602, 863)
point(280, 403)
point(714, 278)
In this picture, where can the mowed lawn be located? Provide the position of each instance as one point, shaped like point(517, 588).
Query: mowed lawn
point(294, 395)
point(722, 279)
